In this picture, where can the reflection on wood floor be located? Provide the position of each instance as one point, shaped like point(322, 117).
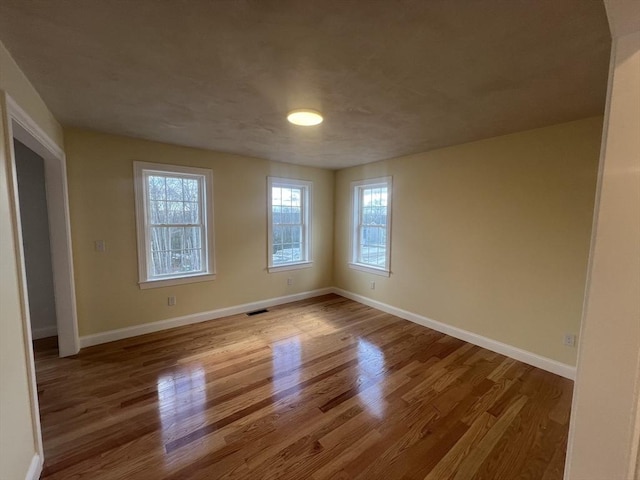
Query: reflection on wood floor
point(317, 389)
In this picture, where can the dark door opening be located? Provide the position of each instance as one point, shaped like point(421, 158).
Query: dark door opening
point(36, 241)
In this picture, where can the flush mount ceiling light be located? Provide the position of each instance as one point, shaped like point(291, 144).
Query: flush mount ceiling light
point(304, 117)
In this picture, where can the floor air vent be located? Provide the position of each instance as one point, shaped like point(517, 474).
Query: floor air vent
point(257, 312)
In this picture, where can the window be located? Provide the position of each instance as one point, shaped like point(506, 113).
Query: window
point(174, 213)
point(371, 225)
point(289, 225)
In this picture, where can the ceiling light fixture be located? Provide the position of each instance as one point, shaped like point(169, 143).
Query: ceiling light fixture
point(304, 117)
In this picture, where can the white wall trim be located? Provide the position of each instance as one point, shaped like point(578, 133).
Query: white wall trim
point(44, 332)
point(35, 468)
point(530, 358)
point(119, 334)
point(22, 117)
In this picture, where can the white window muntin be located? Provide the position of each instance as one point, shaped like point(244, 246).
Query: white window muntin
point(201, 221)
point(292, 257)
point(374, 257)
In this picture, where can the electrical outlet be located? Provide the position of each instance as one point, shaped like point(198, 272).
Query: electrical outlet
point(289, 281)
point(569, 340)
point(100, 245)
point(171, 301)
point(372, 285)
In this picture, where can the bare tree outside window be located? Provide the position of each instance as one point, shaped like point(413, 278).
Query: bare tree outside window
point(174, 213)
point(175, 223)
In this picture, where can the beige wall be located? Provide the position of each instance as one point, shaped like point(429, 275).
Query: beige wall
point(491, 236)
point(18, 429)
point(100, 173)
point(605, 425)
point(17, 443)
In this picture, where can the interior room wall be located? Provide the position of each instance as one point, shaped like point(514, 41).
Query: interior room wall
point(101, 194)
point(35, 240)
point(491, 237)
point(17, 442)
point(19, 439)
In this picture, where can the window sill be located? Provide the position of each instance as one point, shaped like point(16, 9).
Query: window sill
point(289, 266)
point(168, 282)
point(369, 269)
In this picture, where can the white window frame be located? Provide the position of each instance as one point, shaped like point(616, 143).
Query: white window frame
point(306, 187)
point(141, 171)
point(357, 188)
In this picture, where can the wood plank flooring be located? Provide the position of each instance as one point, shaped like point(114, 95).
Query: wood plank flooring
point(319, 389)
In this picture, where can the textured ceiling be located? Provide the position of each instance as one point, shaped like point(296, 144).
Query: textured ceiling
point(391, 77)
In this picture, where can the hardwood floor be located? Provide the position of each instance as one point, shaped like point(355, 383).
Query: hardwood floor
point(317, 389)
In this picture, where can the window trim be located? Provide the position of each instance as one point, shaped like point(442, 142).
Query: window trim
point(356, 187)
point(141, 169)
point(307, 187)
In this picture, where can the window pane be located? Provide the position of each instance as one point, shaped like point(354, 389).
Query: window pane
point(288, 236)
point(381, 215)
point(160, 240)
point(370, 236)
point(296, 215)
point(176, 250)
point(367, 215)
point(191, 212)
point(296, 234)
point(364, 254)
point(177, 238)
point(155, 184)
point(287, 252)
point(296, 197)
point(278, 235)
point(287, 213)
point(175, 212)
point(196, 259)
point(191, 190)
point(370, 224)
point(366, 197)
point(174, 188)
point(381, 259)
point(191, 260)
point(276, 196)
point(193, 237)
point(160, 263)
point(157, 209)
point(276, 214)
point(176, 262)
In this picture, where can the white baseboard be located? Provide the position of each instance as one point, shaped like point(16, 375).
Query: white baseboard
point(119, 334)
point(530, 358)
point(44, 332)
point(35, 468)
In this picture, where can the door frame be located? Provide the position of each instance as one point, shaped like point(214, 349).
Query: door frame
point(22, 127)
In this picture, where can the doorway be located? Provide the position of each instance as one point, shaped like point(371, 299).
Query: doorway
point(34, 220)
point(23, 130)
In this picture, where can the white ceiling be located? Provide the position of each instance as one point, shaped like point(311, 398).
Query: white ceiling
point(392, 77)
